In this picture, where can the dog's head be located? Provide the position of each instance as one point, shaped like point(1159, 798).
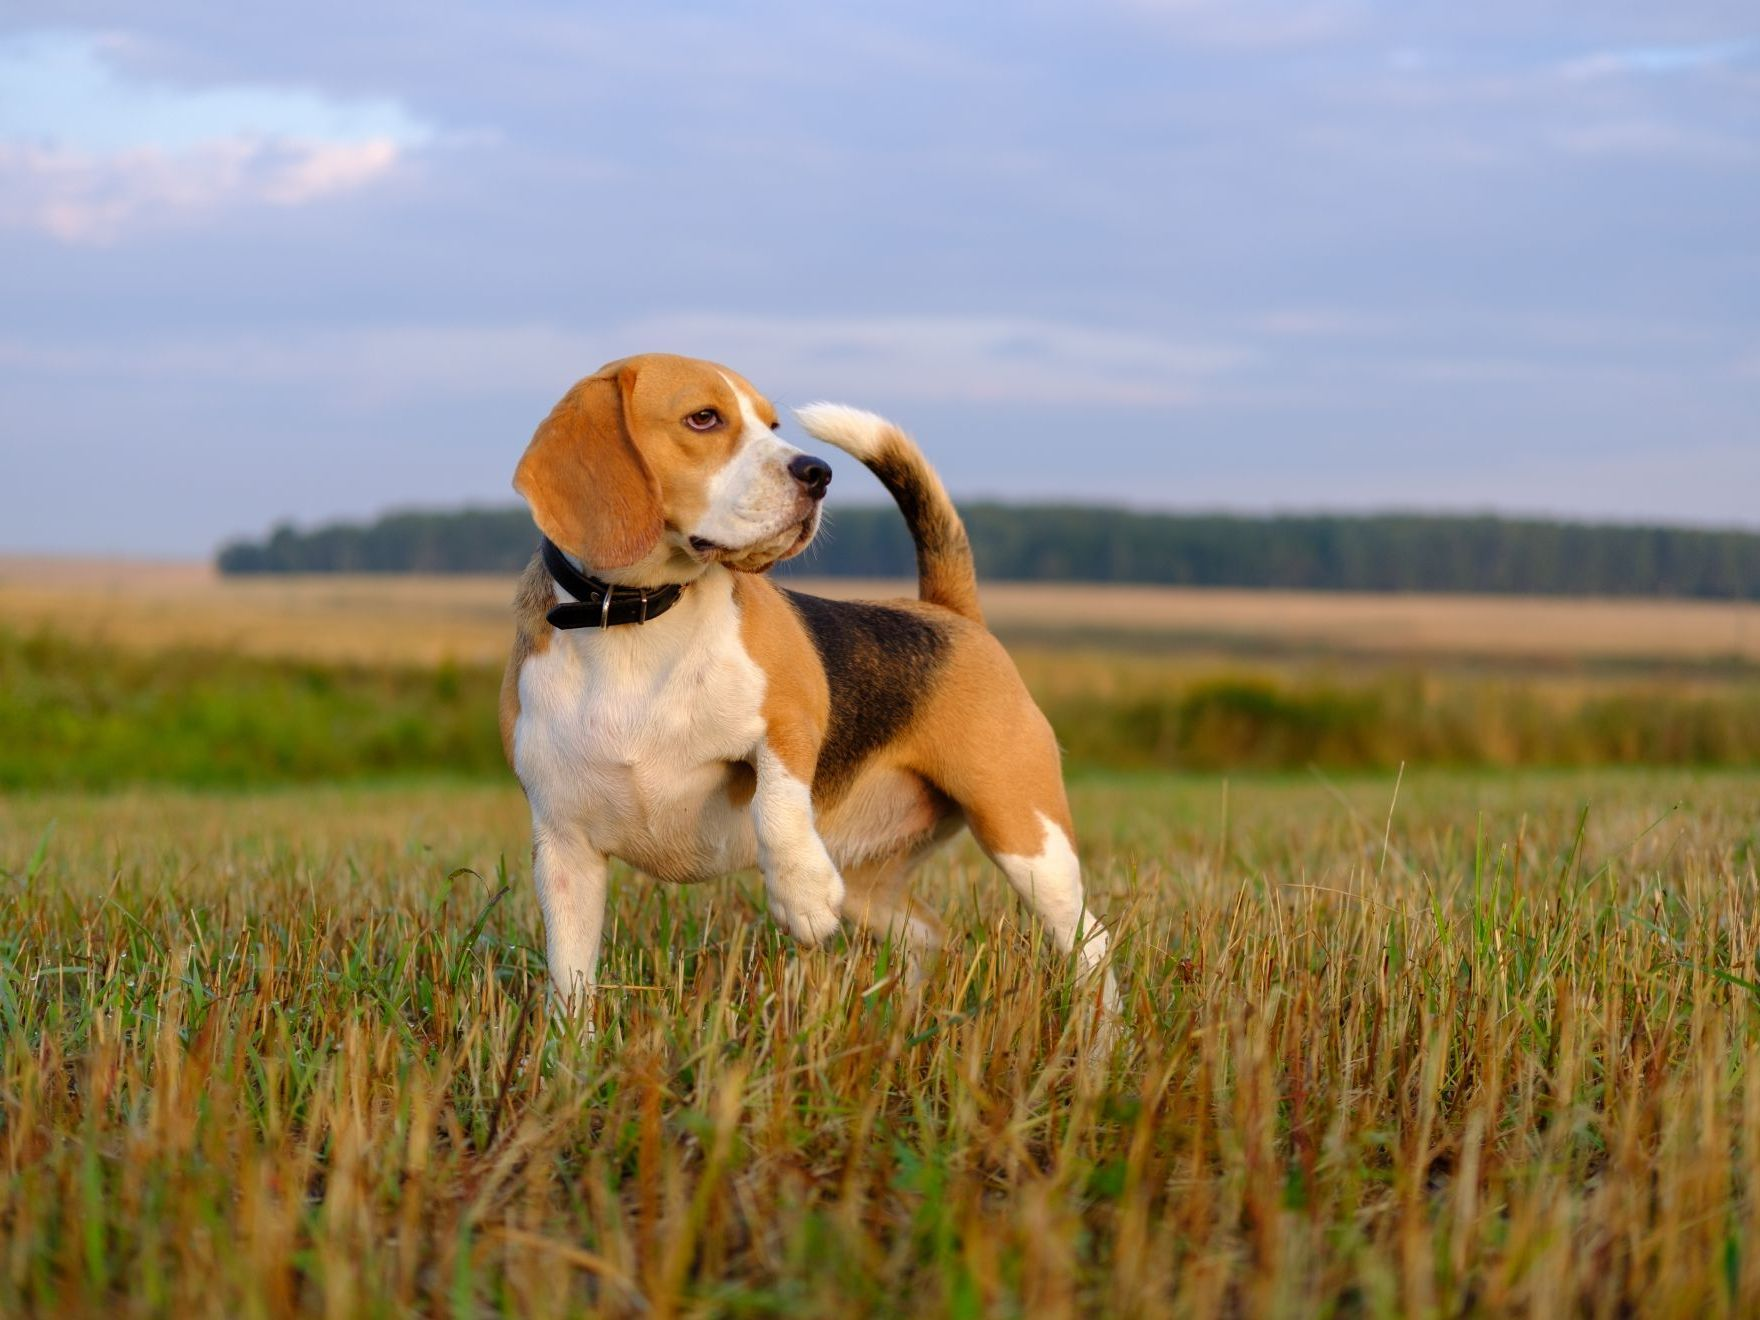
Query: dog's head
point(658, 465)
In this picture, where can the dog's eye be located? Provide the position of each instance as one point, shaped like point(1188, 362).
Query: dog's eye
point(704, 419)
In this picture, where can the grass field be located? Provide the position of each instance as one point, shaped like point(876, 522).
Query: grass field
point(1486, 1045)
point(115, 674)
point(1431, 1041)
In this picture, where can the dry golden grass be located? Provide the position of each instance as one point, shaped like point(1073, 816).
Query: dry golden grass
point(366, 619)
point(1459, 1055)
point(465, 619)
point(1467, 1054)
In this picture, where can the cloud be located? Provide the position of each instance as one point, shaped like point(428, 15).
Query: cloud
point(82, 197)
point(1017, 361)
point(1654, 60)
point(974, 359)
point(87, 154)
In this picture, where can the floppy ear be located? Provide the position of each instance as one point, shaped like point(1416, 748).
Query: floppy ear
point(589, 489)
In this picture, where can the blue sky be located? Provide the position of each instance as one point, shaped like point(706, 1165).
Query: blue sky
point(303, 262)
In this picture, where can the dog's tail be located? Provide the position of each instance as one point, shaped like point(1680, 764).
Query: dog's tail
point(945, 572)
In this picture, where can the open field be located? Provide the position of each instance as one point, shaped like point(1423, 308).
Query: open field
point(1489, 1045)
point(84, 715)
point(110, 673)
point(165, 673)
point(1437, 1041)
point(423, 620)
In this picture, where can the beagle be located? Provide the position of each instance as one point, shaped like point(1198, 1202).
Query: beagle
point(667, 704)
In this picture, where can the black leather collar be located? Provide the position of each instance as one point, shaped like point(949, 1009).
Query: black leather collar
point(599, 604)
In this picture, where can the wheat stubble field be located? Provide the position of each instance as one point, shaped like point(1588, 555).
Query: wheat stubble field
point(1446, 1040)
point(409, 618)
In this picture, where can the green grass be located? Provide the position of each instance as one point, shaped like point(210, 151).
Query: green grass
point(1493, 1047)
point(77, 716)
point(1261, 722)
point(73, 715)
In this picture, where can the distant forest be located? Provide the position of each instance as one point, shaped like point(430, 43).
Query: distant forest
point(1062, 543)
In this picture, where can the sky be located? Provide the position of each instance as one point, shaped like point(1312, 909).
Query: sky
point(264, 263)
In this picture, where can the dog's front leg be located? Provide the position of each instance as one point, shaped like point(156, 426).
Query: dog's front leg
point(570, 875)
point(805, 890)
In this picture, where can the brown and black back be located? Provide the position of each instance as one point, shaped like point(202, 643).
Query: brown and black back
point(881, 664)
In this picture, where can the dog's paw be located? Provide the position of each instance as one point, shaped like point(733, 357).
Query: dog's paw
point(1101, 1024)
point(571, 1005)
point(808, 905)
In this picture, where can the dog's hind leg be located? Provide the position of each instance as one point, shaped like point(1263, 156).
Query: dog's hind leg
point(1049, 879)
point(1013, 798)
point(877, 897)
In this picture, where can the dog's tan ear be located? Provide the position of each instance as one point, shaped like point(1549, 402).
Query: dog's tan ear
point(589, 490)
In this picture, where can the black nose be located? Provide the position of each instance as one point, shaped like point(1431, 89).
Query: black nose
point(813, 473)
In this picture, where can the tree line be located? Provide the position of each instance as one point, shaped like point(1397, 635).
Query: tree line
point(1330, 552)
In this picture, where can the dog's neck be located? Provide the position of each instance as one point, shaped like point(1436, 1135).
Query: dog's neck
point(590, 601)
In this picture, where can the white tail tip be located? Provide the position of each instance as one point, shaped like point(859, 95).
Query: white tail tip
point(853, 430)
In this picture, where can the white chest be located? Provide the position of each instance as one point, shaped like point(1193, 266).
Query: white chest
point(627, 735)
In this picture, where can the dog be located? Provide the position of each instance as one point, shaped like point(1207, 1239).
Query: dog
point(667, 704)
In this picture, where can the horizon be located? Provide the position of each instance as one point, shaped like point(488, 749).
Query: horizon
point(1260, 260)
point(885, 502)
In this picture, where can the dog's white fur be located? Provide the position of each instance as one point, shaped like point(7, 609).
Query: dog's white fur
point(856, 431)
point(623, 739)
